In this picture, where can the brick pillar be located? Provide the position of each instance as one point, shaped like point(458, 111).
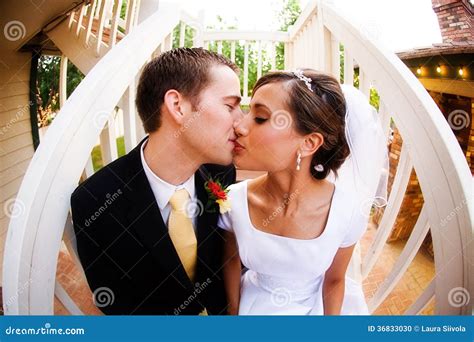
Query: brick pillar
point(455, 18)
point(413, 199)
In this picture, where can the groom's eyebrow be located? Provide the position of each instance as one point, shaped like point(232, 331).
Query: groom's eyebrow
point(235, 98)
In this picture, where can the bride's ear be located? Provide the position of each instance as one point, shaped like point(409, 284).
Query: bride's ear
point(173, 102)
point(311, 144)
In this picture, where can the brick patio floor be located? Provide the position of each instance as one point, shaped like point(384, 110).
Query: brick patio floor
point(412, 284)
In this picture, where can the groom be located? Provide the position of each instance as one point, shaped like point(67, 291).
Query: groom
point(146, 229)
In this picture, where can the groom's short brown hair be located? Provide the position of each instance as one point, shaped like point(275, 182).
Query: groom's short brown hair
point(185, 70)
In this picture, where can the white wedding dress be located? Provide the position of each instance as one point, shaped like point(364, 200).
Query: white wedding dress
point(285, 275)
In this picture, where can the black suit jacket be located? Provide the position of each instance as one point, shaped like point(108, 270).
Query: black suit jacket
point(128, 257)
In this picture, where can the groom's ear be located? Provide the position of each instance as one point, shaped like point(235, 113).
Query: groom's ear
point(173, 102)
point(312, 143)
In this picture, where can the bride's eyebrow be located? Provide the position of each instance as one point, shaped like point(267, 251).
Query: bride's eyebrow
point(261, 106)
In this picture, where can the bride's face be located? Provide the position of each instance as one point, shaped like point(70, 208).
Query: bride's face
point(267, 137)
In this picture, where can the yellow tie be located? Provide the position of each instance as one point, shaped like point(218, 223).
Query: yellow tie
point(181, 232)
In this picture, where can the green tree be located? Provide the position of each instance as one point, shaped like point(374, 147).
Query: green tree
point(47, 86)
point(287, 16)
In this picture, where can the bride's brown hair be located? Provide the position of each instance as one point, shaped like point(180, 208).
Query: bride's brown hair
point(321, 109)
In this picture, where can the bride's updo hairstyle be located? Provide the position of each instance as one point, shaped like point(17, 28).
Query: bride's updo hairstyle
point(317, 105)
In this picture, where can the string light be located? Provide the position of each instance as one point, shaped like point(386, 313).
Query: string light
point(438, 69)
point(418, 71)
point(461, 71)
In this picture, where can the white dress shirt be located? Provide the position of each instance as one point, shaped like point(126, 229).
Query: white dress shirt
point(164, 190)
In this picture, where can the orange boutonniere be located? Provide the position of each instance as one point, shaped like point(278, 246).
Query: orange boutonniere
point(217, 194)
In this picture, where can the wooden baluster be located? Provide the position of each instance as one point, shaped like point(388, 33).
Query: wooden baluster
point(130, 18)
point(232, 51)
point(336, 58)
point(72, 16)
point(391, 211)
point(108, 141)
point(259, 59)
point(364, 83)
point(348, 68)
point(272, 56)
point(90, 22)
point(327, 51)
point(88, 169)
point(62, 295)
point(63, 81)
point(288, 56)
point(115, 23)
point(182, 33)
point(313, 48)
point(246, 70)
point(385, 118)
point(137, 9)
point(321, 42)
point(169, 41)
point(404, 260)
point(80, 19)
point(219, 47)
point(423, 300)
point(97, 9)
point(100, 28)
point(129, 118)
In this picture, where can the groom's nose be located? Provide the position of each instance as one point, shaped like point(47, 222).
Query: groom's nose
point(238, 114)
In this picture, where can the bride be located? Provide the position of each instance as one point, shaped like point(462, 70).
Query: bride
point(294, 229)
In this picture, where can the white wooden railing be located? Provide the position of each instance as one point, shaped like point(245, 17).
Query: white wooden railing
point(314, 41)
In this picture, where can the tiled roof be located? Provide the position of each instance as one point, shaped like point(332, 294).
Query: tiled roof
point(438, 49)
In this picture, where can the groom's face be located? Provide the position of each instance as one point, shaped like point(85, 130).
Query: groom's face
point(211, 137)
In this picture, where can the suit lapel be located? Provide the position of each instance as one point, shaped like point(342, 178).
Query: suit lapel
point(206, 221)
point(146, 220)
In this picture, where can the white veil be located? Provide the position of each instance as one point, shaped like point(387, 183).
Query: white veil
point(365, 172)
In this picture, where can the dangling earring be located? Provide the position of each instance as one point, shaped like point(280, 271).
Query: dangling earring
point(298, 161)
point(319, 167)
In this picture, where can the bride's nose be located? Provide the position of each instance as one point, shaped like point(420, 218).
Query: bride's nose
point(240, 127)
